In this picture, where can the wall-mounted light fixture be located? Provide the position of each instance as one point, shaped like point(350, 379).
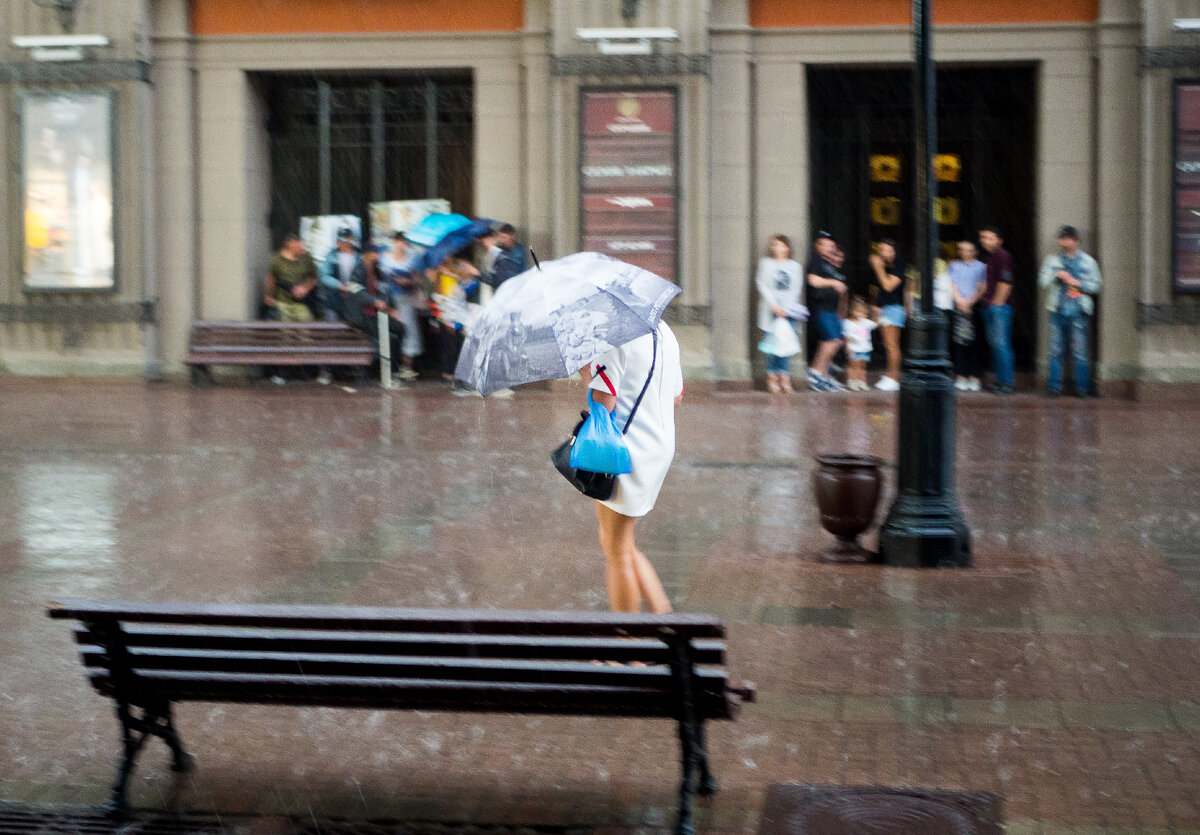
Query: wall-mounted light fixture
point(626, 41)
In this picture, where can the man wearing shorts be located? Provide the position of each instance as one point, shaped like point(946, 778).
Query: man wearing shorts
point(826, 286)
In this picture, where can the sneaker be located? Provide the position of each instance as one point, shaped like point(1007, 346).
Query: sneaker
point(886, 383)
point(462, 391)
point(819, 382)
point(277, 380)
point(324, 378)
point(960, 384)
point(973, 384)
point(407, 374)
point(503, 394)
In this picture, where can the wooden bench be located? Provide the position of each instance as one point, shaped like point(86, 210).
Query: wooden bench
point(148, 656)
point(276, 344)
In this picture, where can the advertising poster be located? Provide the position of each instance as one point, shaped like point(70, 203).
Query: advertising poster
point(628, 179)
point(319, 233)
point(400, 216)
point(1187, 188)
point(67, 179)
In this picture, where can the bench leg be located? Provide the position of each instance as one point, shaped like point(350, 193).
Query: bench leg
point(687, 788)
point(200, 376)
point(708, 784)
point(134, 732)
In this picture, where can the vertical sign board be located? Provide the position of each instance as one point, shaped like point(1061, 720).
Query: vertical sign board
point(1187, 188)
point(628, 176)
point(67, 178)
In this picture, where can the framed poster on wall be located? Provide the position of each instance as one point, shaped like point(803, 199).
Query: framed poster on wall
point(628, 181)
point(67, 154)
point(1186, 227)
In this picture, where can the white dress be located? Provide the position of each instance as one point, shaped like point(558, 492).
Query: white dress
point(651, 436)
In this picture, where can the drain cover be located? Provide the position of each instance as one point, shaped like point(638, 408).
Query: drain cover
point(866, 810)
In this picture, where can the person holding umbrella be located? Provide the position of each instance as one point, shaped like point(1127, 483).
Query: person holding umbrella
point(591, 313)
point(617, 380)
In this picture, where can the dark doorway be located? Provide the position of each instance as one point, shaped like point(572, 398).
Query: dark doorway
point(862, 168)
point(339, 142)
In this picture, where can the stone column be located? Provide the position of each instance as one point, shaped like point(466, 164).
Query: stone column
point(222, 118)
point(781, 181)
point(174, 178)
point(1117, 242)
point(731, 208)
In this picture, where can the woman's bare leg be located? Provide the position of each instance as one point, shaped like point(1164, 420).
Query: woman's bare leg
point(631, 578)
point(650, 586)
point(616, 539)
point(891, 343)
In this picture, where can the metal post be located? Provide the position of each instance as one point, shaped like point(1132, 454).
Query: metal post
point(378, 157)
point(324, 146)
point(925, 527)
point(431, 138)
point(385, 349)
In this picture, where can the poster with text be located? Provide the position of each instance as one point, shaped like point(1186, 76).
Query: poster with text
point(67, 179)
point(1187, 188)
point(628, 177)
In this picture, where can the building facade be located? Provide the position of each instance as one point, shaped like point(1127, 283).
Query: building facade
point(730, 121)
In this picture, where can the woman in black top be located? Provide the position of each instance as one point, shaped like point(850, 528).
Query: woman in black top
point(893, 308)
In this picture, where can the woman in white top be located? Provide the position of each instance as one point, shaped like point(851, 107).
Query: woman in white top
point(617, 379)
point(778, 282)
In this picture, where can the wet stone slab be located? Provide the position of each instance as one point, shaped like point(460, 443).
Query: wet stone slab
point(1059, 673)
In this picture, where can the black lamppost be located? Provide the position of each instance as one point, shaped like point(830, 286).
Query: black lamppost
point(924, 527)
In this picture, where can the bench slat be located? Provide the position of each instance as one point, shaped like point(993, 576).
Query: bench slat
point(646, 650)
point(401, 620)
point(417, 694)
point(314, 666)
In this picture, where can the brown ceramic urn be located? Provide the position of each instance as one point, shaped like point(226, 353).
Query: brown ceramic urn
point(847, 488)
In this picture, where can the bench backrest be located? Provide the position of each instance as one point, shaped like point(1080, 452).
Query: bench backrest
point(508, 661)
point(277, 334)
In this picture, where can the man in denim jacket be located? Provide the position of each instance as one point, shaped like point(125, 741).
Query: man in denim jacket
point(1071, 278)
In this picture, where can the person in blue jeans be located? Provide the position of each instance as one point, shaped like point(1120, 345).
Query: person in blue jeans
point(1071, 279)
point(997, 313)
point(826, 289)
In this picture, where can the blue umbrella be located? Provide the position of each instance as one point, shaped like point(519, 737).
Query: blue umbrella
point(433, 228)
point(452, 243)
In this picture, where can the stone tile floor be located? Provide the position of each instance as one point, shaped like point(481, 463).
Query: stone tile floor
point(1061, 672)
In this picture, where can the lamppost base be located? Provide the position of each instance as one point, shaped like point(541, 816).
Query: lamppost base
point(924, 532)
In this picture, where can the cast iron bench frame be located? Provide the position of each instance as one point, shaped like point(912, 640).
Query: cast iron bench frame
point(148, 656)
point(275, 343)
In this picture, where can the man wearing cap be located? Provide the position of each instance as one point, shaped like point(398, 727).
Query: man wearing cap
point(343, 268)
point(1071, 278)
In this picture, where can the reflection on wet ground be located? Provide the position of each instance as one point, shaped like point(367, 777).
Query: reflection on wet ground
point(1061, 672)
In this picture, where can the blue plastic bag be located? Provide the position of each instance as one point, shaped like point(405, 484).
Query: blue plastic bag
point(599, 446)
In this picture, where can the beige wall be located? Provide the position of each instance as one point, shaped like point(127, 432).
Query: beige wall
point(1104, 137)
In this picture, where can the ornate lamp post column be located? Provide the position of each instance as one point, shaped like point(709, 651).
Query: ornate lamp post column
point(925, 527)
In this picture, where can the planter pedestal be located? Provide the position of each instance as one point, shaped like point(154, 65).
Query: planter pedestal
point(847, 488)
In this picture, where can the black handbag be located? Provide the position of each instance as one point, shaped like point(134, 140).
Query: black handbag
point(597, 485)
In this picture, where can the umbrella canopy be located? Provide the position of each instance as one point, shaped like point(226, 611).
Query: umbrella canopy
point(452, 243)
point(434, 227)
point(549, 322)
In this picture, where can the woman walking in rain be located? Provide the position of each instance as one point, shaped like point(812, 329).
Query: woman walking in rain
point(618, 379)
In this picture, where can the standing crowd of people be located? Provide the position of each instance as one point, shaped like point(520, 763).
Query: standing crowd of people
point(973, 293)
point(428, 310)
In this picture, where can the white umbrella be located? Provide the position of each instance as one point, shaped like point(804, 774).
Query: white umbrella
point(551, 321)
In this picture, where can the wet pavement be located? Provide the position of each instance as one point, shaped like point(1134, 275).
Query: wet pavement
point(1061, 673)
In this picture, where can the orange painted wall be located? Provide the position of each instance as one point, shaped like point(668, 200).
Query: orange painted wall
point(287, 17)
point(768, 14)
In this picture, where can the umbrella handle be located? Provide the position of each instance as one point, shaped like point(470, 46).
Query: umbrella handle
point(533, 255)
